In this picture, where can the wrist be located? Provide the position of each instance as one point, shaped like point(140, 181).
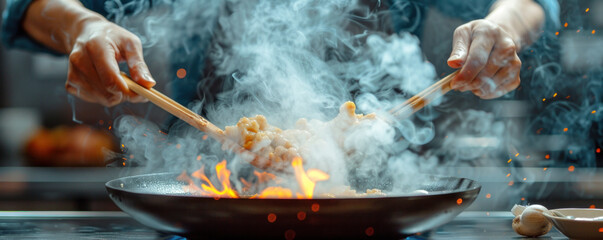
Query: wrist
point(509, 24)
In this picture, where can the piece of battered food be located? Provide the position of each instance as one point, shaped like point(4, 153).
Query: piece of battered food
point(281, 146)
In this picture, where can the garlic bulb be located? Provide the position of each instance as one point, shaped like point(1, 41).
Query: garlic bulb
point(529, 221)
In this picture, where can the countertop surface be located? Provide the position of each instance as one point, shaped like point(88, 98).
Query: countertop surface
point(118, 225)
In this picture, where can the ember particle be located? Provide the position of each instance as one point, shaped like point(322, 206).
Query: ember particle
point(517, 154)
point(301, 216)
point(271, 217)
point(556, 33)
point(593, 32)
point(591, 206)
point(181, 73)
point(571, 168)
point(204, 137)
point(587, 9)
point(511, 183)
point(315, 207)
point(598, 150)
point(593, 112)
point(290, 234)
point(544, 99)
point(508, 174)
point(199, 158)
point(555, 95)
point(459, 201)
point(523, 199)
point(565, 129)
point(547, 156)
point(369, 231)
point(525, 179)
point(544, 169)
point(509, 160)
point(565, 25)
point(601, 229)
point(488, 195)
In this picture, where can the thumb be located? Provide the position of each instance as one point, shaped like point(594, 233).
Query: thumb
point(460, 45)
point(138, 68)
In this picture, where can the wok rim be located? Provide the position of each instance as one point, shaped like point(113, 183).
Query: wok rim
point(474, 186)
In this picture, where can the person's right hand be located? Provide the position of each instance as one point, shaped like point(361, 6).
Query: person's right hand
point(94, 75)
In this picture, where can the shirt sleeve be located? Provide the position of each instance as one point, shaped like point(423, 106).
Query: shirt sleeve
point(551, 10)
point(13, 34)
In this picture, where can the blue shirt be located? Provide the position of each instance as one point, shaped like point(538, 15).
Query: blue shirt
point(407, 15)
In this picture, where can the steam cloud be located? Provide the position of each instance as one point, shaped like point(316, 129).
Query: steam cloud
point(302, 59)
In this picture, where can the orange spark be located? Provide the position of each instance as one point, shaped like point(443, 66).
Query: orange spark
point(315, 207)
point(511, 183)
point(181, 73)
point(547, 156)
point(271, 217)
point(488, 195)
point(301, 216)
point(199, 158)
point(555, 95)
point(517, 154)
point(204, 137)
point(587, 9)
point(544, 99)
point(556, 33)
point(591, 206)
point(565, 129)
point(598, 150)
point(544, 169)
point(508, 174)
point(571, 168)
point(509, 160)
point(565, 25)
point(593, 32)
point(523, 199)
point(593, 112)
point(369, 231)
point(578, 30)
point(525, 179)
point(601, 229)
point(459, 201)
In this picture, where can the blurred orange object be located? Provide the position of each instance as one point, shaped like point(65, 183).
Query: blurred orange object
point(79, 146)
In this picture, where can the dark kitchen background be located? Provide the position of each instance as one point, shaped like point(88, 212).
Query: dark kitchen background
point(555, 119)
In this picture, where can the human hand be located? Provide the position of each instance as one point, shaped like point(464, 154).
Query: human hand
point(487, 56)
point(94, 74)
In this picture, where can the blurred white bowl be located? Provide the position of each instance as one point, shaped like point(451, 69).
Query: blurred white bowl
point(579, 223)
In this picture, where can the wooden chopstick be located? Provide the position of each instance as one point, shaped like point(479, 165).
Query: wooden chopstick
point(199, 122)
point(423, 98)
point(175, 109)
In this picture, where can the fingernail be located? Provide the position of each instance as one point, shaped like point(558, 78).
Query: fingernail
point(148, 77)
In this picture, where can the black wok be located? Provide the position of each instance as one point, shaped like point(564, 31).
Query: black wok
point(158, 201)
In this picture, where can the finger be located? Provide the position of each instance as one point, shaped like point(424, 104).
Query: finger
point(139, 72)
point(77, 85)
point(84, 74)
point(103, 57)
point(485, 77)
point(509, 80)
point(477, 58)
point(460, 44)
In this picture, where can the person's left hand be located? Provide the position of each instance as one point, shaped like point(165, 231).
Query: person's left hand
point(487, 56)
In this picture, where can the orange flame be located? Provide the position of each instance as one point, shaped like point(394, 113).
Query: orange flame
point(208, 188)
point(307, 180)
point(276, 192)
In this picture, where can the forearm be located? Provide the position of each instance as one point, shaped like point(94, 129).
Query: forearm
point(522, 19)
point(56, 23)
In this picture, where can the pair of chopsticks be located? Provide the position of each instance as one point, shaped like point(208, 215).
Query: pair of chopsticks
point(423, 98)
point(403, 110)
